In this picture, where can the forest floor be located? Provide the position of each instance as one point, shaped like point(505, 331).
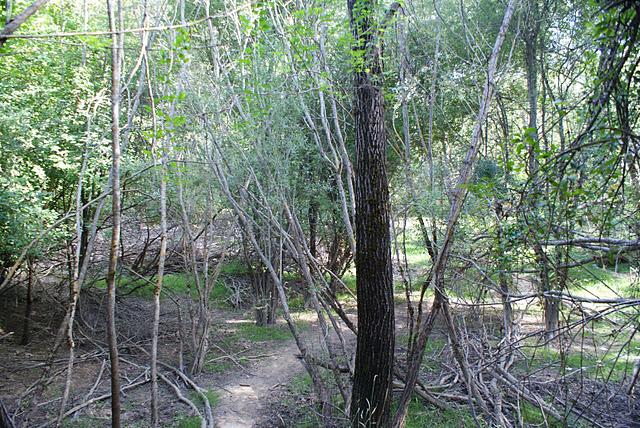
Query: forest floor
point(247, 368)
point(245, 393)
point(243, 397)
point(253, 376)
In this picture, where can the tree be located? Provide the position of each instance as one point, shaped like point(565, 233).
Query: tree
point(117, 42)
point(20, 19)
point(371, 395)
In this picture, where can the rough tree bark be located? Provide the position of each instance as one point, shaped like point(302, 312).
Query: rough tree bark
point(371, 395)
point(26, 325)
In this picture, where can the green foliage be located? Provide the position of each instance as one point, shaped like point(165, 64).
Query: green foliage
point(82, 422)
point(301, 384)
point(179, 283)
point(533, 416)
point(612, 364)
point(219, 366)
point(48, 97)
point(255, 333)
point(234, 267)
point(421, 416)
point(213, 397)
point(602, 282)
point(184, 421)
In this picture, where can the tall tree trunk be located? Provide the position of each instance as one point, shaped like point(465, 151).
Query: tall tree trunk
point(313, 223)
point(551, 306)
point(371, 396)
point(155, 419)
point(116, 51)
point(26, 326)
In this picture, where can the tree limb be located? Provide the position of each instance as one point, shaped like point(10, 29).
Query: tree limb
point(20, 19)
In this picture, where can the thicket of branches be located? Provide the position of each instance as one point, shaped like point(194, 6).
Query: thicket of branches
point(495, 141)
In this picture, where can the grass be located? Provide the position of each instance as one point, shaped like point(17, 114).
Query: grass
point(600, 282)
point(416, 253)
point(257, 333)
point(212, 395)
point(349, 280)
point(421, 416)
point(178, 283)
point(219, 366)
point(606, 366)
point(184, 421)
point(533, 416)
point(300, 384)
point(83, 422)
point(234, 267)
point(296, 303)
point(307, 417)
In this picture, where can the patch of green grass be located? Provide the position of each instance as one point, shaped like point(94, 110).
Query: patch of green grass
point(219, 366)
point(234, 267)
point(257, 333)
point(604, 366)
point(213, 397)
point(349, 280)
point(178, 283)
point(219, 294)
point(82, 422)
point(533, 416)
point(432, 349)
point(633, 290)
point(291, 276)
point(186, 422)
point(433, 345)
point(296, 303)
point(421, 416)
point(416, 253)
point(300, 384)
point(600, 282)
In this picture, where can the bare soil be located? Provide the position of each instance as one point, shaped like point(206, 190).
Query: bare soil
point(244, 397)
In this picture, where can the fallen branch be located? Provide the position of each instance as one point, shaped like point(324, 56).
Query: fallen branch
point(102, 397)
point(181, 397)
point(512, 383)
point(5, 419)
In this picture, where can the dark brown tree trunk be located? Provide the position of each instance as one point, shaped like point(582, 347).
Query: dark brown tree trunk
point(313, 222)
point(371, 396)
point(26, 326)
point(260, 281)
point(86, 221)
point(265, 297)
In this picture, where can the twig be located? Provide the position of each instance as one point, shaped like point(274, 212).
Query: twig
point(102, 397)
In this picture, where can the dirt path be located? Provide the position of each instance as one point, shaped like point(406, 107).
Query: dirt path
point(244, 395)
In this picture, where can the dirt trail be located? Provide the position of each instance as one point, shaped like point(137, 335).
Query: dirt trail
point(243, 396)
